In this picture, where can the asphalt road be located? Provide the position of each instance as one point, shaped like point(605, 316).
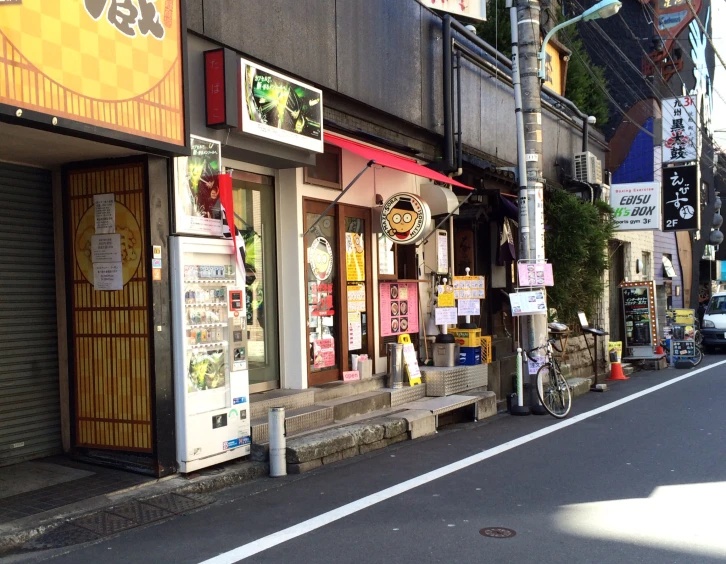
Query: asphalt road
point(624, 480)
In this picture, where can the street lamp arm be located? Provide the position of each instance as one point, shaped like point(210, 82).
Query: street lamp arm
point(542, 54)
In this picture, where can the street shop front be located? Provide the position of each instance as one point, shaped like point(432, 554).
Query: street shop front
point(86, 132)
point(357, 242)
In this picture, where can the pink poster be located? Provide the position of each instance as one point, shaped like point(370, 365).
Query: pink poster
point(323, 353)
point(535, 274)
point(399, 308)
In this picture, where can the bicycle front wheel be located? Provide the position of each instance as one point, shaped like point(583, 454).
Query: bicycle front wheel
point(699, 357)
point(553, 391)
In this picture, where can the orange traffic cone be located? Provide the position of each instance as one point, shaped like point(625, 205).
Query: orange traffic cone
point(659, 350)
point(616, 372)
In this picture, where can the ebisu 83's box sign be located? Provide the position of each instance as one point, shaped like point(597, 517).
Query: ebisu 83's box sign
point(636, 206)
point(280, 108)
point(112, 64)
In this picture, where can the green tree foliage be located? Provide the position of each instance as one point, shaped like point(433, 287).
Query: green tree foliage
point(496, 29)
point(585, 79)
point(576, 241)
point(582, 84)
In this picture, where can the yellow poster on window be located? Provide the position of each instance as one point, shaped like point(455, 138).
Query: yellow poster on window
point(355, 258)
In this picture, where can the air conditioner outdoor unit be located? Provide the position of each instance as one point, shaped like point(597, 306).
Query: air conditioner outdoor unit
point(586, 167)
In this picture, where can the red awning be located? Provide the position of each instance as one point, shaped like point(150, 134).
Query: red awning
point(389, 160)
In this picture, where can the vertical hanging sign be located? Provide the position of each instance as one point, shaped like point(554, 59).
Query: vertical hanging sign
point(681, 198)
point(680, 130)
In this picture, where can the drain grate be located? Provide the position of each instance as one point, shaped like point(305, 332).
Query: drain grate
point(176, 503)
point(498, 532)
point(104, 524)
point(141, 513)
point(62, 536)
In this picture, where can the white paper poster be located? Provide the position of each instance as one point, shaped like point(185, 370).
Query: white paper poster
point(469, 307)
point(442, 241)
point(108, 276)
point(106, 248)
point(354, 332)
point(528, 303)
point(445, 315)
point(105, 210)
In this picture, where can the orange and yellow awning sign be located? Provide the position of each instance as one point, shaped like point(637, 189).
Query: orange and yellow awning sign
point(115, 64)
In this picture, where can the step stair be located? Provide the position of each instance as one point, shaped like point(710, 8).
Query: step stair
point(260, 404)
point(358, 404)
point(296, 421)
point(484, 404)
point(453, 380)
point(335, 390)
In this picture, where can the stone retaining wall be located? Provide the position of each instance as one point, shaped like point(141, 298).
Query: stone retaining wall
point(309, 452)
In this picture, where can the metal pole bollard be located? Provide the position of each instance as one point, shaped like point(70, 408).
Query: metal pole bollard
point(278, 443)
point(395, 365)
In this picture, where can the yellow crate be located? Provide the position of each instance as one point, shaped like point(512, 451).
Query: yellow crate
point(486, 349)
point(467, 337)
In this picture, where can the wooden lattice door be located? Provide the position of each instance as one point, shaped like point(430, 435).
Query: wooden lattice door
point(110, 364)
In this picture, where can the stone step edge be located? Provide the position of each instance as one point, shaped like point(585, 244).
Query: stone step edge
point(262, 423)
point(349, 440)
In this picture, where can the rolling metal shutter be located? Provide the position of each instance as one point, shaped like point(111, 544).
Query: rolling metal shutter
point(30, 425)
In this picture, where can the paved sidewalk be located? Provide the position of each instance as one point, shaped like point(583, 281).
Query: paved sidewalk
point(139, 501)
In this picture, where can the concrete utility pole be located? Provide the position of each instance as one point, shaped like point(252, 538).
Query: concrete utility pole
point(525, 20)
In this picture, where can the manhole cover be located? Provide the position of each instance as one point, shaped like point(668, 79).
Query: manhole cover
point(497, 532)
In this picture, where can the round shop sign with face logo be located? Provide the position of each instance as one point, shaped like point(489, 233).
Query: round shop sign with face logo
point(404, 218)
point(320, 257)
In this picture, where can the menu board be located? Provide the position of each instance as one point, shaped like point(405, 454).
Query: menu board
point(469, 287)
point(535, 274)
point(637, 315)
point(528, 303)
point(683, 349)
point(399, 308)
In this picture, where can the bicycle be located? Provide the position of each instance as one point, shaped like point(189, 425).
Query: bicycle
point(552, 387)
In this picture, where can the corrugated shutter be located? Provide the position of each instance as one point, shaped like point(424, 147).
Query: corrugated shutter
point(30, 424)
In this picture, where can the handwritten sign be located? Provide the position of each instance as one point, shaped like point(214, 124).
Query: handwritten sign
point(106, 248)
point(105, 213)
point(469, 307)
point(445, 315)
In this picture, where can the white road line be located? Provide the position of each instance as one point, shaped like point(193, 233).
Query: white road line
point(270, 541)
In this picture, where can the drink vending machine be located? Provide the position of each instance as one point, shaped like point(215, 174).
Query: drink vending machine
point(211, 379)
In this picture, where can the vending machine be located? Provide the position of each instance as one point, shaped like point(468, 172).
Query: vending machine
point(211, 379)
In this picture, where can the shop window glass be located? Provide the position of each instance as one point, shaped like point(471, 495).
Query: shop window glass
point(320, 280)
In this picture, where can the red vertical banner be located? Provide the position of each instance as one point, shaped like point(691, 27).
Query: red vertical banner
point(225, 198)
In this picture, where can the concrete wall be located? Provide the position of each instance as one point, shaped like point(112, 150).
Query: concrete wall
point(377, 57)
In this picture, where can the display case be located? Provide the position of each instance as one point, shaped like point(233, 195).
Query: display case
point(211, 377)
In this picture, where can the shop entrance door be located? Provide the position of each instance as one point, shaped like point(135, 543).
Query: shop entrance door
point(338, 289)
point(254, 211)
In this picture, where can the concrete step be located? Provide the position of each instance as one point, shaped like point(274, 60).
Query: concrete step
point(296, 421)
point(261, 403)
point(453, 380)
point(339, 389)
point(313, 450)
point(359, 404)
point(405, 394)
point(628, 369)
point(485, 404)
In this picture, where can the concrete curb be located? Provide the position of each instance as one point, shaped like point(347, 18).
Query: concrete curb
point(14, 535)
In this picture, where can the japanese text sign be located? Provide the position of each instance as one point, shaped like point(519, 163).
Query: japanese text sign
point(636, 206)
point(681, 199)
point(112, 64)
point(680, 130)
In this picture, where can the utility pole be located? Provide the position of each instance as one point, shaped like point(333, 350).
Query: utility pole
point(525, 23)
